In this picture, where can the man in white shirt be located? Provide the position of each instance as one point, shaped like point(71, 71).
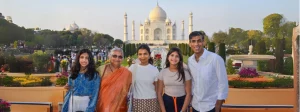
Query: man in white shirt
point(210, 83)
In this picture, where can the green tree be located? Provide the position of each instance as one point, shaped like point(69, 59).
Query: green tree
point(11, 32)
point(271, 24)
point(260, 47)
point(118, 42)
point(222, 51)
point(254, 36)
point(229, 68)
point(236, 36)
point(187, 49)
point(211, 46)
point(206, 38)
point(288, 66)
point(279, 56)
point(124, 50)
point(132, 47)
point(272, 27)
point(286, 32)
point(191, 51)
point(220, 37)
point(40, 60)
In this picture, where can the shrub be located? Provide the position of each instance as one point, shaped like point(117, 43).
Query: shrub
point(13, 64)
point(40, 60)
point(7, 81)
point(2, 59)
point(279, 56)
point(28, 81)
point(46, 81)
point(211, 47)
point(222, 51)
point(62, 81)
point(285, 82)
point(269, 53)
point(288, 66)
point(278, 83)
point(248, 73)
point(260, 47)
point(4, 106)
point(229, 68)
point(62, 78)
point(5, 68)
point(262, 65)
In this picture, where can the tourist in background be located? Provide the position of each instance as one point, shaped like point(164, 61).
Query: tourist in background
point(175, 82)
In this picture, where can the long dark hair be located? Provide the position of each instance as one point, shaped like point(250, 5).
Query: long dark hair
point(91, 69)
point(145, 46)
point(181, 74)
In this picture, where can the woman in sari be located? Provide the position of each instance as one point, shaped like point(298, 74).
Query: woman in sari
point(115, 84)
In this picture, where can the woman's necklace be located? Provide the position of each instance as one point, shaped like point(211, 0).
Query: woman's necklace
point(110, 68)
point(113, 67)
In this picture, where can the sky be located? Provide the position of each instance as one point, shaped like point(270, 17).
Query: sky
point(107, 16)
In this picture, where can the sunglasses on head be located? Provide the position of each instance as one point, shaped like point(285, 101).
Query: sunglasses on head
point(115, 56)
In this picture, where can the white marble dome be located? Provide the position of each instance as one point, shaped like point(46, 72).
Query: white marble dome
point(72, 27)
point(158, 14)
point(147, 20)
point(168, 20)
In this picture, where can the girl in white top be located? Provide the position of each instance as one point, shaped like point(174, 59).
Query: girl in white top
point(145, 81)
point(175, 81)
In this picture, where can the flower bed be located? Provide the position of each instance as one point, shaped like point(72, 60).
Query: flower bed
point(261, 82)
point(62, 78)
point(28, 81)
point(249, 78)
point(248, 73)
point(4, 106)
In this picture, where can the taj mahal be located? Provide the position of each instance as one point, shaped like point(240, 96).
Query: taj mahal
point(157, 30)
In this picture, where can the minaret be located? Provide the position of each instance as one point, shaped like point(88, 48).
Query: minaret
point(191, 23)
point(133, 32)
point(182, 30)
point(125, 28)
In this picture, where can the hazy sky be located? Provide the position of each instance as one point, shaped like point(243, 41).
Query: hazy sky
point(106, 16)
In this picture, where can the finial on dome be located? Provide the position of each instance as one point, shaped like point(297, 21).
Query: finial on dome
point(156, 2)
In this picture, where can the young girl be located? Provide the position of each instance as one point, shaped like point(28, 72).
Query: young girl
point(175, 80)
point(83, 84)
point(144, 82)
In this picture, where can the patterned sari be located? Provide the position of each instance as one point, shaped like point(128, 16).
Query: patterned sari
point(113, 91)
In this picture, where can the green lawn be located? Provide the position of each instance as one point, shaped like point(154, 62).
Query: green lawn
point(185, 59)
point(124, 62)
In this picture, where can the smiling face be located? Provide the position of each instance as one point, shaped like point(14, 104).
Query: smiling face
point(196, 44)
point(116, 58)
point(84, 60)
point(174, 58)
point(143, 56)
